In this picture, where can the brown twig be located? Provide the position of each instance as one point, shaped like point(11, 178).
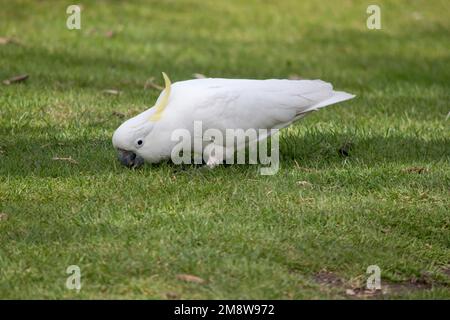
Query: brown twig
point(151, 84)
point(16, 79)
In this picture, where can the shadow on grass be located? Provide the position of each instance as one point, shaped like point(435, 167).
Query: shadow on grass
point(27, 155)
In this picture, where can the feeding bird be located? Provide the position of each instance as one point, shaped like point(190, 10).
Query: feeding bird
point(219, 104)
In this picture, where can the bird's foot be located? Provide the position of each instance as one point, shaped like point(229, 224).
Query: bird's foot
point(213, 162)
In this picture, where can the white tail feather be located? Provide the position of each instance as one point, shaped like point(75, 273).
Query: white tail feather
point(338, 96)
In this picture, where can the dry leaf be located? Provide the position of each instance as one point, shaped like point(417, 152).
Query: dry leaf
point(304, 183)
point(111, 91)
point(118, 114)
point(3, 216)
point(69, 159)
point(5, 40)
point(109, 34)
point(16, 79)
point(418, 170)
point(350, 292)
point(199, 76)
point(190, 278)
point(151, 84)
point(172, 295)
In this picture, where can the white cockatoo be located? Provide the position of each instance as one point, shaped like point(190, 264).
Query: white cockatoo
point(219, 104)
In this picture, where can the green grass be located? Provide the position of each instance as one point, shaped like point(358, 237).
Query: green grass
point(249, 236)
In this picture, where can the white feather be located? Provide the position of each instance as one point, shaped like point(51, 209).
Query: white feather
point(223, 104)
point(243, 104)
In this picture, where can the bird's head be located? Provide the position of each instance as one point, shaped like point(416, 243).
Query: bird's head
point(131, 137)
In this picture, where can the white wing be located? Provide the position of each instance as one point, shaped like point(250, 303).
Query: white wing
point(243, 104)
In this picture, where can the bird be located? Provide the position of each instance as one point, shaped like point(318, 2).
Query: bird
point(219, 104)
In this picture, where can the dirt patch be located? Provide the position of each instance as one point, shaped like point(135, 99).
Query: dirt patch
point(331, 280)
point(363, 293)
point(328, 278)
point(446, 271)
point(388, 289)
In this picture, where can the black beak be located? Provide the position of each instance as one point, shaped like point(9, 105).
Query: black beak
point(129, 159)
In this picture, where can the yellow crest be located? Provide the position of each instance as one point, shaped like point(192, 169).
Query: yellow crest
point(163, 101)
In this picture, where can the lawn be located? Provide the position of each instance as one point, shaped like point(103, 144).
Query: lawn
point(308, 232)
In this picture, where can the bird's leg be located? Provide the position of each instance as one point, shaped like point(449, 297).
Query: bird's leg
point(213, 162)
point(213, 155)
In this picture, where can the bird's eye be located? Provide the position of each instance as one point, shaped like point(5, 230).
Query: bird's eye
point(139, 143)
